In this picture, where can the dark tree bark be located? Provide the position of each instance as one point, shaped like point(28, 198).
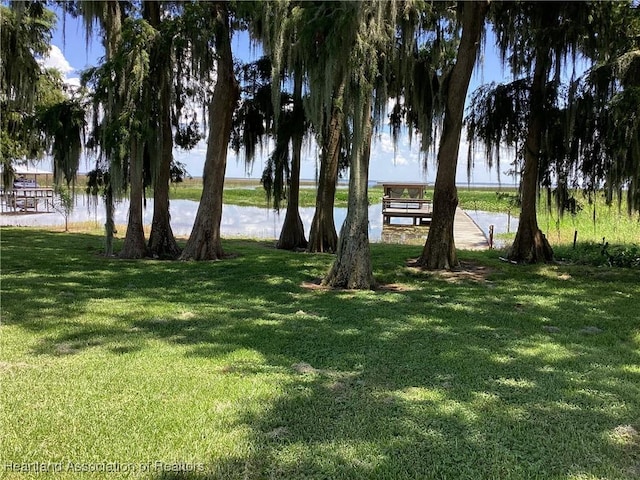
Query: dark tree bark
point(530, 244)
point(323, 236)
point(135, 245)
point(162, 243)
point(113, 31)
point(292, 233)
point(204, 242)
point(439, 250)
point(352, 267)
point(109, 225)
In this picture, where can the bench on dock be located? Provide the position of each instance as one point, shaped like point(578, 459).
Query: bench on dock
point(25, 199)
point(406, 200)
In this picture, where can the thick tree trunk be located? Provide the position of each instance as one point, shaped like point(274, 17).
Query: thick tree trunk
point(134, 243)
point(439, 250)
point(204, 242)
point(323, 236)
point(530, 244)
point(109, 225)
point(352, 267)
point(292, 233)
point(113, 36)
point(162, 243)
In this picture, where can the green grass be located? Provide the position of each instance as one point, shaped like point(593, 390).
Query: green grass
point(613, 224)
point(251, 193)
point(488, 199)
point(236, 369)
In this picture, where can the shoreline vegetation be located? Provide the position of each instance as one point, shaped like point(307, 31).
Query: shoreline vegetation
point(611, 223)
point(249, 192)
point(612, 238)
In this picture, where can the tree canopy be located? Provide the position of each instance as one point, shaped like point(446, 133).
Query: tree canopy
point(26, 88)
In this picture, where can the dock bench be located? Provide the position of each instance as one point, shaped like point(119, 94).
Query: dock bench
point(406, 200)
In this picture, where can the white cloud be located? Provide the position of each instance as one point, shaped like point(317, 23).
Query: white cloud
point(400, 160)
point(57, 60)
point(384, 141)
point(74, 81)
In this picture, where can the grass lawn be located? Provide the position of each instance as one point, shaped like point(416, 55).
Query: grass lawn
point(248, 192)
point(235, 369)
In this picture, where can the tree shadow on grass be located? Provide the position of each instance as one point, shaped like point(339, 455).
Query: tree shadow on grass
point(463, 395)
point(442, 380)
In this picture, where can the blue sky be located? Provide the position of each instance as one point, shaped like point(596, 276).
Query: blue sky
point(70, 53)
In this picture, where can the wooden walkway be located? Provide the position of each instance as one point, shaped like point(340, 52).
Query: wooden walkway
point(467, 235)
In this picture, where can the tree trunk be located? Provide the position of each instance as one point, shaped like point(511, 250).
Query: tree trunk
point(352, 267)
point(109, 224)
point(439, 250)
point(323, 236)
point(162, 243)
point(134, 243)
point(113, 30)
point(530, 244)
point(292, 233)
point(204, 242)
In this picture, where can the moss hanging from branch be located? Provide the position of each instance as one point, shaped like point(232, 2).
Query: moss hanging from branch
point(65, 123)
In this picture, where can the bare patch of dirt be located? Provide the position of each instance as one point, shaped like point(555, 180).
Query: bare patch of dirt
point(469, 271)
point(394, 287)
point(66, 348)
point(626, 433)
point(8, 366)
point(336, 386)
point(304, 367)
point(278, 433)
point(315, 284)
point(379, 287)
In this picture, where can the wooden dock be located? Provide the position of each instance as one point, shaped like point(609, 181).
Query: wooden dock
point(33, 199)
point(467, 235)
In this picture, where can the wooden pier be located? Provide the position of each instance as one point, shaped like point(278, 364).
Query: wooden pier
point(408, 200)
point(33, 199)
point(467, 235)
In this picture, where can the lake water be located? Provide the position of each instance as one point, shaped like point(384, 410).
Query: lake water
point(251, 222)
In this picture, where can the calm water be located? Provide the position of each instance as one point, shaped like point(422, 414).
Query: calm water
point(253, 222)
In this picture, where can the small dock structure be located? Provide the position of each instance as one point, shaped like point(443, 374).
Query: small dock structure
point(27, 199)
point(406, 200)
point(25, 194)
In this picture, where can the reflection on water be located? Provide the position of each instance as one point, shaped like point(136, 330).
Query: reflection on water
point(502, 223)
point(251, 222)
